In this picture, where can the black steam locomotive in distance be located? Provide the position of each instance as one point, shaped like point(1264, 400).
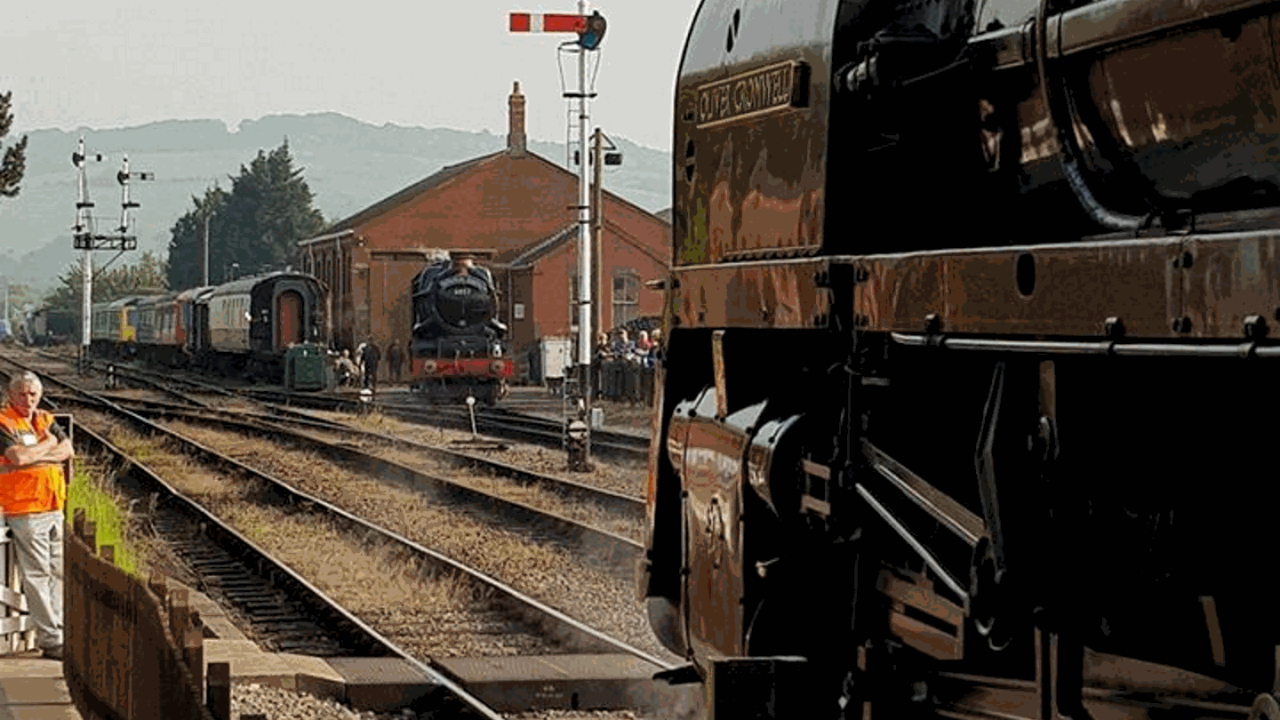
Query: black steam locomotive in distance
point(457, 334)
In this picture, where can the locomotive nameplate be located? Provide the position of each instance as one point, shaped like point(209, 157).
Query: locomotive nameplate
point(772, 88)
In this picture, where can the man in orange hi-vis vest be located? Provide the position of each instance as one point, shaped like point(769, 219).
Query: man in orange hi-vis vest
point(33, 491)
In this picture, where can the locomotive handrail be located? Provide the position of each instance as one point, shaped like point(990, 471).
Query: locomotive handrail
point(1101, 24)
point(1106, 347)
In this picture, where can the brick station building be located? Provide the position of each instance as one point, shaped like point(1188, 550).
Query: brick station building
point(514, 204)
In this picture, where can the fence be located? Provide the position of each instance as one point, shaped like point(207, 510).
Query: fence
point(623, 381)
point(133, 650)
point(17, 633)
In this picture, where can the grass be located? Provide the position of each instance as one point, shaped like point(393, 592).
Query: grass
point(108, 510)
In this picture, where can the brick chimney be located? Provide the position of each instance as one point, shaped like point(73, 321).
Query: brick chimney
point(515, 133)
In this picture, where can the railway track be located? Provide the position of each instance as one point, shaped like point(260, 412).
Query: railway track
point(496, 422)
point(548, 621)
point(282, 609)
point(626, 508)
point(616, 551)
point(621, 501)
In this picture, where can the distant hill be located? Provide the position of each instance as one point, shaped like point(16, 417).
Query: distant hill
point(348, 164)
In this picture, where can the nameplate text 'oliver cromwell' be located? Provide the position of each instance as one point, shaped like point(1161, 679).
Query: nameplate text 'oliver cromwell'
point(763, 90)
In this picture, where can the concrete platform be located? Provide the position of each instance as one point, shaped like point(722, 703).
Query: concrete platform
point(32, 688)
point(382, 684)
point(250, 665)
point(558, 682)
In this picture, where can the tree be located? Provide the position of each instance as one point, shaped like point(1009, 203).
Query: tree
point(255, 226)
point(145, 277)
point(186, 246)
point(14, 163)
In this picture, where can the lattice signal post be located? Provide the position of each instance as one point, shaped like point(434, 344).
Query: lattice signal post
point(88, 240)
point(590, 30)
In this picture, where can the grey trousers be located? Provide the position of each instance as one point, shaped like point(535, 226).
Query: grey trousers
point(37, 541)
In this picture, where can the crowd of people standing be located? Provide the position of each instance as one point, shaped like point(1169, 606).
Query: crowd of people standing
point(360, 369)
point(623, 367)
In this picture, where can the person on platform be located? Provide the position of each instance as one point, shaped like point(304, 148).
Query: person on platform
point(369, 359)
point(33, 491)
point(347, 370)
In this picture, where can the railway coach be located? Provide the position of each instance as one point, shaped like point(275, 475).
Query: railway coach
point(160, 330)
point(113, 328)
point(244, 328)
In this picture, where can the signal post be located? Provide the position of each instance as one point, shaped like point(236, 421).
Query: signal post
point(590, 31)
point(86, 239)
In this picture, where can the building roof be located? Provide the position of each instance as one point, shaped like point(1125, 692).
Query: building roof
point(426, 184)
point(439, 178)
point(531, 254)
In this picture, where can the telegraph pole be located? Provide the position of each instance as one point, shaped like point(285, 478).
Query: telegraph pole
point(600, 158)
point(597, 156)
point(204, 274)
point(590, 32)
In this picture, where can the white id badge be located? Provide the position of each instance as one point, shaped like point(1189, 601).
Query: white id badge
point(28, 439)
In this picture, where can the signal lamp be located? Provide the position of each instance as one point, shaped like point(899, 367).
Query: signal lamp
point(591, 37)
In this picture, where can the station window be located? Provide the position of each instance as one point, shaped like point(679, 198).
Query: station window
point(626, 296)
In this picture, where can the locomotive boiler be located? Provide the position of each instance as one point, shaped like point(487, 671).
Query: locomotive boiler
point(457, 337)
point(969, 362)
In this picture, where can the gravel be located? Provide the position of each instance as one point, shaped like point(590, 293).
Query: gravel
point(279, 704)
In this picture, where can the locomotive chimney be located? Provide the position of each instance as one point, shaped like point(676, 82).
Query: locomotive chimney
point(515, 133)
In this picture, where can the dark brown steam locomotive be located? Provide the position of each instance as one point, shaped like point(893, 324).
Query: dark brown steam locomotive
point(970, 382)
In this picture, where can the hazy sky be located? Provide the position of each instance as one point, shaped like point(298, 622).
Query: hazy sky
point(433, 63)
